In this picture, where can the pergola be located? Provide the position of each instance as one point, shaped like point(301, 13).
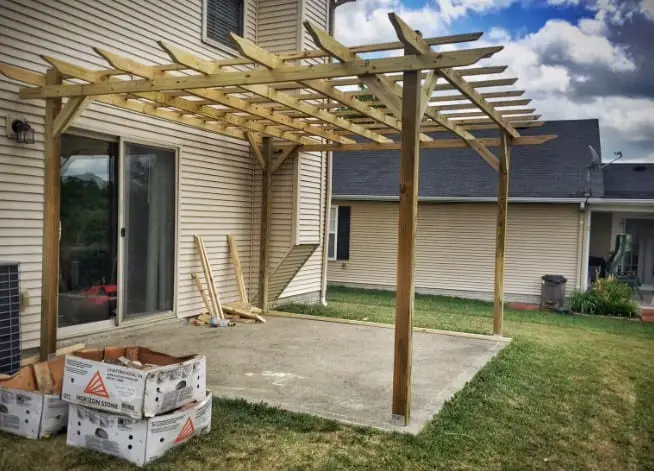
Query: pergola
point(323, 99)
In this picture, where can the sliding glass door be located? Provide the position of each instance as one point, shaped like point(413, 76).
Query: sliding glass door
point(148, 231)
point(117, 239)
point(88, 230)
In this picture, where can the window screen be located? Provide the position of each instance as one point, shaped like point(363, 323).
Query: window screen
point(223, 17)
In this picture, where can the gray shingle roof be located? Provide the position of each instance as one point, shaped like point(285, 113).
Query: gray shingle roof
point(556, 169)
point(630, 181)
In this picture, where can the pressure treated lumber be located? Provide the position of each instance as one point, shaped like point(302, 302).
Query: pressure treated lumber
point(500, 236)
point(149, 72)
point(238, 271)
point(435, 144)
point(60, 351)
point(285, 154)
point(216, 310)
point(208, 67)
point(244, 312)
point(406, 241)
point(74, 107)
point(387, 92)
point(249, 49)
point(51, 205)
point(266, 222)
point(414, 43)
point(35, 78)
point(263, 76)
point(256, 150)
point(198, 286)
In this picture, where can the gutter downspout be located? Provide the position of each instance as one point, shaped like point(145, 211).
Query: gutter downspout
point(586, 251)
point(580, 248)
point(325, 240)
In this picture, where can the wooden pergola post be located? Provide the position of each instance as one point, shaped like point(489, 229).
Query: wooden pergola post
point(406, 241)
point(51, 200)
point(266, 218)
point(500, 242)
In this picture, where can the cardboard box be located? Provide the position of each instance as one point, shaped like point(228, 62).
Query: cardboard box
point(96, 378)
point(30, 405)
point(137, 440)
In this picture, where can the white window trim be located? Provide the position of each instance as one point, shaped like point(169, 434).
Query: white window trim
point(217, 44)
point(335, 232)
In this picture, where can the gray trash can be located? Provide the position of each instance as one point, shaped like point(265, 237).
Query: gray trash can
point(552, 292)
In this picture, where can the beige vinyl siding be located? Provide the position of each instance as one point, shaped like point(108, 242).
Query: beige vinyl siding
point(277, 25)
point(309, 221)
point(455, 247)
point(282, 220)
point(216, 174)
point(312, 180)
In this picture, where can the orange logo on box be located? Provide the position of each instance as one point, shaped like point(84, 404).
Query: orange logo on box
point(187, 431)
point(96, 386)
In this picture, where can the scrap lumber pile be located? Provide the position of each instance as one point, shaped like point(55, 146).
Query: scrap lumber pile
point(218, 314)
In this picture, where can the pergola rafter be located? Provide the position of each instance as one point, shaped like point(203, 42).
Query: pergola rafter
point(280, 105)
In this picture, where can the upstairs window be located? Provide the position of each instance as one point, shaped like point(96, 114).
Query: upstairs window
point(222, 17)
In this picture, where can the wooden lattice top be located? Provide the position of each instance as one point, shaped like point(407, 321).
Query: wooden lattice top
point(324, 99)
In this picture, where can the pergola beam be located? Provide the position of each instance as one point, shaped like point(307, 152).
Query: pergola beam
point(406, 241)
point(416, 44)
point(387, 92)
point(72, 109)
point(265, 223)
point(471, 125)
point(435, 144)
point(264, 76)
point(256, 150)
point(441, 87)
point(207, 67)
point(51, 210)
point(148, 72)
point(269, 60)
point(35, 78)
point(500, 235)
point(441, 108)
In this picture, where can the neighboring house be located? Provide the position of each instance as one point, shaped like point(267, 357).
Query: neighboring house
point(136, 189)
point(561, 211)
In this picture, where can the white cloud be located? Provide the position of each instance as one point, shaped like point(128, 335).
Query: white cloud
point(366, 21)
point(547, 62)
point(453, 9)
point(580, 46)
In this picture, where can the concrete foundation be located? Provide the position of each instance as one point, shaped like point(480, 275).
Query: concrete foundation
point(338, 371)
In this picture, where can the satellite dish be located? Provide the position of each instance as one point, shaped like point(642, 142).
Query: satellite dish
point(597, 160)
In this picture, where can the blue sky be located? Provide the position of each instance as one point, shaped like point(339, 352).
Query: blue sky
point(576, 59)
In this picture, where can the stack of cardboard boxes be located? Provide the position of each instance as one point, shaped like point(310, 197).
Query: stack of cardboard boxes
point(134, 403)
point(129, 402)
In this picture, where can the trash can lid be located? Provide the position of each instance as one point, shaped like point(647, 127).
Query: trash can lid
point(554, 278)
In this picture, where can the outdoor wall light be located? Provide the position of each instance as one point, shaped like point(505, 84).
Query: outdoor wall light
point(24, 133)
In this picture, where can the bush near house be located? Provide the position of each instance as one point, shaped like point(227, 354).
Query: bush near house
point(606, 297)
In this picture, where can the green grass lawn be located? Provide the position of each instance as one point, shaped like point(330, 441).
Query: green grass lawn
point(567, 393)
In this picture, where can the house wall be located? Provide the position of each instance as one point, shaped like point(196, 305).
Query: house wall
point(600, 234)
point(219, 186)
point(280, 30)
point(455, 248)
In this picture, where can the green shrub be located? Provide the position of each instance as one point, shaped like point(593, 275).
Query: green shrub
point(606, 297)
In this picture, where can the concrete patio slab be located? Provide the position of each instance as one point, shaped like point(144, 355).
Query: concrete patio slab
point(338, 371)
